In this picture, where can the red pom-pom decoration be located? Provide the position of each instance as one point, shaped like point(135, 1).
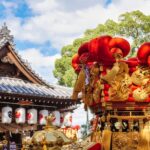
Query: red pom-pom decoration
point(93, 48)
point(121, 44)
point(104, 54)
point(83, 48)
point(75, 63)
point(144, 54)
point(99, 49)
point(132, 62)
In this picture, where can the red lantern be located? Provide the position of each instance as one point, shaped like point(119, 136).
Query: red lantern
point(32, 116)
point(68, 119)
point(144, 54)
point(20, 115)
point(61, 118)
point(17, 114)
point(7, 114)
point(42, 116)
point(56, 120)
point(29, 116)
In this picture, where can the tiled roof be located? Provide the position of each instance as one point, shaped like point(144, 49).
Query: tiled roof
point(5, 38)
point(19, 86)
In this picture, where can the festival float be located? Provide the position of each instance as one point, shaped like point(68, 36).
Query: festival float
point(117, 89)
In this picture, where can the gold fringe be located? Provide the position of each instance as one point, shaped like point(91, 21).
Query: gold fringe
point(106, 139)
point(144, 142)
point(79, 84)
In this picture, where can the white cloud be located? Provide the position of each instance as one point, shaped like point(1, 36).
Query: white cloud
point(8, 4)
point(80, 116)
point(40, 7)
point(9, 7)
point(52, 21)
point(43, 65)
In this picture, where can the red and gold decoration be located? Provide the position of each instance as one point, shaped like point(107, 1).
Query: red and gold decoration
point(71, 132)
point(49, 138)
point(111, 77)
point(118, 89)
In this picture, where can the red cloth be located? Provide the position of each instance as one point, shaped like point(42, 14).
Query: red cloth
point(97, 146)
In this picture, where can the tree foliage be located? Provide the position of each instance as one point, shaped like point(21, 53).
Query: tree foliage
point(134, 26)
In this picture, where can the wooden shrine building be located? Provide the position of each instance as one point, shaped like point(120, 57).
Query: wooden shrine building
point(20, 86)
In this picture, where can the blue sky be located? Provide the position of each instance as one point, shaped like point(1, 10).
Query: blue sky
point(42, 27)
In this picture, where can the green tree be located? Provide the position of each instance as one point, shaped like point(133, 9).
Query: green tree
point(134, 26)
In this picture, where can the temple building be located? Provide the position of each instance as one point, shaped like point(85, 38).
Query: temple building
point(21, 89)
